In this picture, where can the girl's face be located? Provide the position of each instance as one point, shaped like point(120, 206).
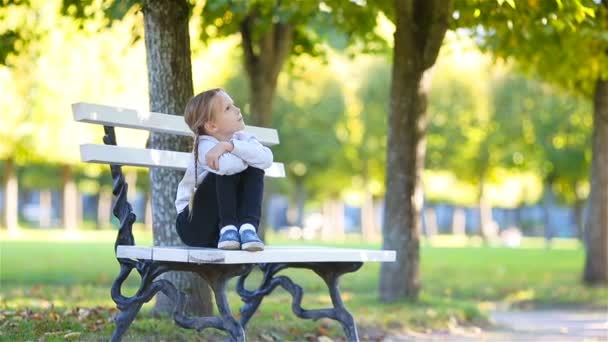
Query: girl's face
point(227, 119)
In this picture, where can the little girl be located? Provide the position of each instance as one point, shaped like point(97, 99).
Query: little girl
point(219, 199)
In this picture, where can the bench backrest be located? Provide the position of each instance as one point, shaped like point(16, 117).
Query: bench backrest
point(116, 156)
point(153, 122)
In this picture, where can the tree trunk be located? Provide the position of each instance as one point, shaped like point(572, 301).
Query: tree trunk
point(148, 217)
point(300, 202)
point(131, 179)
point(596, 230)
point(333, 220)
point(459, 221)
point(548, 204)
point(264, 57)
point(430, 220)
point(69, 198)
point(170, 87)
point(577, 209)
point(420, 28)
point(46, 207)
point(79, 214)
point(338, 219)
point(486, 223)
point(368, 218)
point(326, 228)
point(104, 208)
point(11, 197)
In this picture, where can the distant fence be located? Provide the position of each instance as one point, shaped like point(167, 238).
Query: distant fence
point(561, 221)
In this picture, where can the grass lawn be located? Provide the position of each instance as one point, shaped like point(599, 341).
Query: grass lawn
point(57, 287)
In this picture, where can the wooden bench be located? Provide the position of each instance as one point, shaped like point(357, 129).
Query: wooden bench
point(216, 266)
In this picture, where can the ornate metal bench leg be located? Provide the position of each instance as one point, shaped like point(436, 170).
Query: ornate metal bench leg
point(253, 299)
point(234, 328)
point(123, 321)
point(130, 306)
point(331, 275)
point(217, 276)
point(330, 272)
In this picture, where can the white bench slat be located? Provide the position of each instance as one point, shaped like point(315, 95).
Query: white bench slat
point(272, 254)
point(110, 154)
point(140, 252)
point(151, 121)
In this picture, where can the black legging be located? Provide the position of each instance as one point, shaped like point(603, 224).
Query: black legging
point(220, 201)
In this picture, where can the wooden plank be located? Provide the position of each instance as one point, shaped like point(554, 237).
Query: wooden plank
point(151, 121)
point(290, 254)
point(110, 154)
point(134, 252)
point(272, 254)
point(176, 254)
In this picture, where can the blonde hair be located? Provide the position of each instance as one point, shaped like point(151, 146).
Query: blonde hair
point(198, 112)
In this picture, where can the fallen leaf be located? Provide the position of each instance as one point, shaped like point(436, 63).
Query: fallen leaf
point(266, 338)
point(326, 322)
point(322, 330)
point(72, 336)
point(310, 337)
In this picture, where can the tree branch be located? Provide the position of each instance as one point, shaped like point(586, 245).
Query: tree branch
point(439, 20)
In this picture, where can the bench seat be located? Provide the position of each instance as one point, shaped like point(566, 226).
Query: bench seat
point(271, 254)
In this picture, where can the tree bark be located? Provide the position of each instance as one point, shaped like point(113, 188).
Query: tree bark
point(333, 220)
point(300, 201)
point(170, 87)
point(11, 197)
point(430, 219)
point(326, 228)
point(46, 206)
point(104, 208)
point(486, 223)
point(548, 204)
point(596, 230)
point(148, 214)
point(577, 209)
point(338, 219)
point(420, 28)
point(459, 221)
point(78, 205)
point(131, 179)
point(368, 218)
point(263, 59)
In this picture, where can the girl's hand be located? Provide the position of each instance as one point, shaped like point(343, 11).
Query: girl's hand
point(212, 157)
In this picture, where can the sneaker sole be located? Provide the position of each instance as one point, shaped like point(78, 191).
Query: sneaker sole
point(253, 246)
point(230, 245)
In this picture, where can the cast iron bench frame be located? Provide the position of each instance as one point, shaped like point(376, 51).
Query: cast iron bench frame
point(217, 267)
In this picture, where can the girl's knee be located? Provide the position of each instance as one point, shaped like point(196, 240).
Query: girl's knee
point(254, 171)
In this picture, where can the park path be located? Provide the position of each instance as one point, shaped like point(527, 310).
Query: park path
point(538, 325)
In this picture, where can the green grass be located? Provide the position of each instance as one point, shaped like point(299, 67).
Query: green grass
point(51, 284)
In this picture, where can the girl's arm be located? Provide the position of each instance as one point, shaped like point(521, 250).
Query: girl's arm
point(227, 163)
point(249, 149)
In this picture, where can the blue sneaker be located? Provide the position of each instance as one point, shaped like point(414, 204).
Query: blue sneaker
point(250, 241)
point(229, 240)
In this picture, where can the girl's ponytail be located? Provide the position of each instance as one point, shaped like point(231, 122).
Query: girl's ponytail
point(195, 152)
point(198, 112)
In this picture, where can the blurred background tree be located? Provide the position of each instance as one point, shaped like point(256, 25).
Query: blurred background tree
point(563, 42)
